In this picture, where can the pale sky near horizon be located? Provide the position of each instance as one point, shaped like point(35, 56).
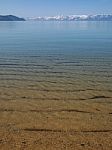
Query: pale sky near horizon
point(32, 8)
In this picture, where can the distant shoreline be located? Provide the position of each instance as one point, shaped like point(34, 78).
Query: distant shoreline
point(10, 18)
point(59, 18)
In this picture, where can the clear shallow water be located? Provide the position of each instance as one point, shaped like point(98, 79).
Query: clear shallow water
point(59, 55)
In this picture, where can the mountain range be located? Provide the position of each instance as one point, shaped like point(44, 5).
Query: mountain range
point(74, 18)
point(104, 17)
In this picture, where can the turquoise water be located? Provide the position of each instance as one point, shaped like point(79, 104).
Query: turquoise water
point(79, 53)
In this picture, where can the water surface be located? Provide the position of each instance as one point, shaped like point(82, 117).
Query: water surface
point(69, 58)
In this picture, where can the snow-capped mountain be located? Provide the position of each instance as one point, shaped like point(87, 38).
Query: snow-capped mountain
point(75, 18)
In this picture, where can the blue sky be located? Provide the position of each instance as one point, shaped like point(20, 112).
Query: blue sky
point(32, 8)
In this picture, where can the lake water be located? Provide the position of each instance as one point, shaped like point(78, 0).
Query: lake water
point(71, 59)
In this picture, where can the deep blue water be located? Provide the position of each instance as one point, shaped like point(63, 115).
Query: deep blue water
point(50, 38)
